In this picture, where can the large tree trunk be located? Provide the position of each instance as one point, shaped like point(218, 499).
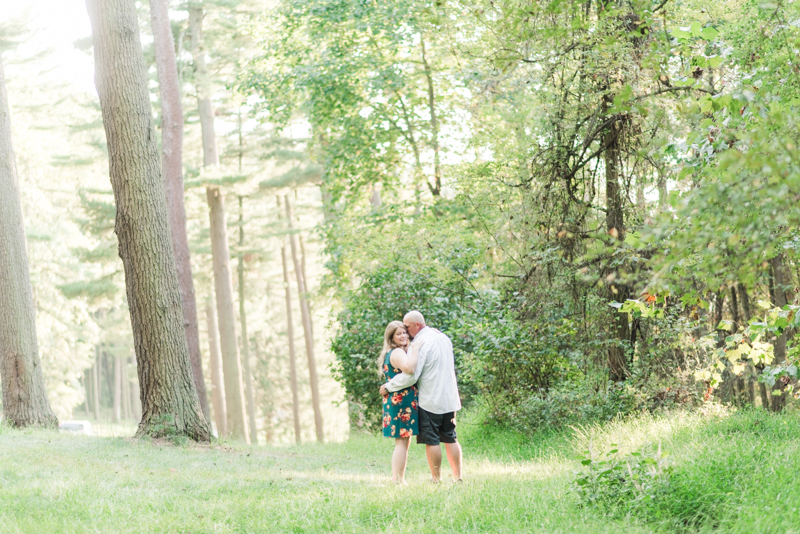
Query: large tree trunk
point(215, 362)
point(167, 390)
point(306, 316)
point(232, 370)
point(290, 335)
point(24, 397)
point(248, 377)
point(171, 154)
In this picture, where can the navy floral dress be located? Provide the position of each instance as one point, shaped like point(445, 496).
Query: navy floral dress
point(399, 407)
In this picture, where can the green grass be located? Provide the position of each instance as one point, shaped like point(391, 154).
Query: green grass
point(732, 474)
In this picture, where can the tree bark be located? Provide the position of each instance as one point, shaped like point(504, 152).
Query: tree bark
point(306, 316)
point(24, 396)
point(231, 368)
point(136, 400)
point(168, 394)
point(171, 163)
point(217, 385)
point(248, 376)
point(290, 335)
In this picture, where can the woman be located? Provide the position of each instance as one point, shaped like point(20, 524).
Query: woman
point(400, 407)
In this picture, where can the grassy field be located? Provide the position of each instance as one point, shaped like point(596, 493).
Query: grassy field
point(732, 473)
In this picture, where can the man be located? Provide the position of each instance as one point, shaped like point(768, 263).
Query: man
point(435, 376)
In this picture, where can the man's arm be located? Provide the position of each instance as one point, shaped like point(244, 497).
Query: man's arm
point(403, 380)
point(400, 381)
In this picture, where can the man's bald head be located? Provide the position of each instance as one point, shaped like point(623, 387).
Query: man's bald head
point(414, 322)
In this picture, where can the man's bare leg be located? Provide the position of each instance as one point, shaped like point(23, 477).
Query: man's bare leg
point(454, 459)
point(434, 454)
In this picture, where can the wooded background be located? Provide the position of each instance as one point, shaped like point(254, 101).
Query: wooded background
point(597, 201)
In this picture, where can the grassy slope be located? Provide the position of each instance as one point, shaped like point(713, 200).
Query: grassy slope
point(734, 473)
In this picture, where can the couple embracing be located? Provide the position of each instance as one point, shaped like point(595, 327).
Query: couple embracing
point(420, 396)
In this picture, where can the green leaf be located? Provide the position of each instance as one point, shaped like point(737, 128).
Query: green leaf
point(680, 33)
point(709, 33)
point(696, 29)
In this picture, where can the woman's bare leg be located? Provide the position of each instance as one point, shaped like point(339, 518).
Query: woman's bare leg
point(400, 459)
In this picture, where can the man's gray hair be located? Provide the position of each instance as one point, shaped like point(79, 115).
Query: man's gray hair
point(414, 317)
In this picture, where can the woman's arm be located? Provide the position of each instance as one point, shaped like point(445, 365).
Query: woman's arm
point(398, 359)
point(408, 362)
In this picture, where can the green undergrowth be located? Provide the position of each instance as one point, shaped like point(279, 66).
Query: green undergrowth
point(729, 473)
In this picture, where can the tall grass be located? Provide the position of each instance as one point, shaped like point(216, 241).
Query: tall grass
point(732, 473)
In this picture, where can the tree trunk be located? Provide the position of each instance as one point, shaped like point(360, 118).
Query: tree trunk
point(437, 170)
point(171, 155)
point(126, 391)
point(248, 376)
point(220, 251)
point(203, 85)
point(231, 369)
point(215, 362)
point(780, 283)
point(267, 391)
point(618, 355)
point(87, 391)
point(306, 316)
point(290, 335)
point(24, 396)
point(168, 394)
point(117, 390)
point(96, 382)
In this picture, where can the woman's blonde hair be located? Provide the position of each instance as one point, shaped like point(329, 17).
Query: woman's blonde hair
point(388, 342)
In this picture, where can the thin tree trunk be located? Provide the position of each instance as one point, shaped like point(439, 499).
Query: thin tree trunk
point(248, 376)
point(437, 170)
point(171, 155)
point(117, 390)
point(203, 85)
point(215, 362)
point(96, 382)
point(87, 389)
point(267, 391)
point(305, 276)
point(220, 251)
point(290, 335)
point(780, 283)
point(617, 354)
point(126, 391)
point(306, 316)
point(231, 368)
point(24, 396)
point(168, 394)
